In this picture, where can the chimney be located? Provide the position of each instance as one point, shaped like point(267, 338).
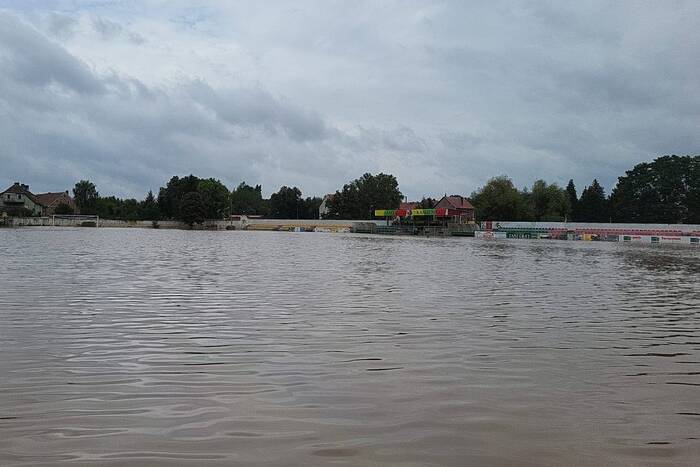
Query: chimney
point(25, 187)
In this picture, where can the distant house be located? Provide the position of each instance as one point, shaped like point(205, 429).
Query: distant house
point(324, 208)
point(458, 203)
point(51, 201)
point(18, 200)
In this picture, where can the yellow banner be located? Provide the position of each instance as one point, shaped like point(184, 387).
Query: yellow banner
point(423, 212)
point(385, 213)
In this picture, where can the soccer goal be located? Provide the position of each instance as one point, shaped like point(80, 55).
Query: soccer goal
point(75, 220)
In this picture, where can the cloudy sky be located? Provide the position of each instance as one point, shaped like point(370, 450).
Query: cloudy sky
point(442, 94)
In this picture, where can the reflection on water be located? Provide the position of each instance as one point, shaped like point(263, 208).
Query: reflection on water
point(169, 347)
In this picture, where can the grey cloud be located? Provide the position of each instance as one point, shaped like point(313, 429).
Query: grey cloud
point(400, 139)
point(444, 94)
point(256, 107)
point(130, 137)
point(60, 26)
point(106, 28)
point(110, 30)
point(32, 59)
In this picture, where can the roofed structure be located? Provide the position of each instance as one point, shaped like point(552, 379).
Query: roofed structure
point(18, 200)
point(51, 201)
point(408, 205)
point(458, 203)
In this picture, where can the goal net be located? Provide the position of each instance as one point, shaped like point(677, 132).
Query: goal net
point(75, 220)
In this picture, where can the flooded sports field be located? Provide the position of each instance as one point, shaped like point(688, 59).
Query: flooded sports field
point(150, 347)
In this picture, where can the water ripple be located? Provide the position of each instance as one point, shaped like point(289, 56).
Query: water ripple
point(211, 348)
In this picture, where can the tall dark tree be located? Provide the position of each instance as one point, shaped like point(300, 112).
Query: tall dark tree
point(426, 203)
point(666, 190)
point(359, 198)
point(170, 196)
point(64, 208)
point(548, 202)
point(85, 195)
point(131, 210)
point(246, 199)
point(593, 206)
point(311, 206)
point(499, 199)
point(215, 197)
point(149, 208)
point(111, 207)
point(286, 203)
point(192, 209)
point(573, 200)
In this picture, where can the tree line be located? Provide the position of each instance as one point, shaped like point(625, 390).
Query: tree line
point(666, 190)
point(192, 200)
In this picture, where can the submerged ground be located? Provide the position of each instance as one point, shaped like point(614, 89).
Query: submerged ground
point(174, 347)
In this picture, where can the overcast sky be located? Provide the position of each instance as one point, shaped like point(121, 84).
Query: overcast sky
point(442, 94)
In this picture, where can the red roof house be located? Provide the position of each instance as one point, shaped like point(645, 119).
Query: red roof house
point(20, 200)
point(459, 204)
point(51, 201)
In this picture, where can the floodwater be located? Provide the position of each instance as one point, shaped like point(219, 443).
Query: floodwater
point(152, 347)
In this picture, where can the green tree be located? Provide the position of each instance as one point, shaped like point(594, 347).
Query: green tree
point(286, 203)
point(573, 200)
point(548, 202)
point(109, 207)
point(359, 198)
point(426, 203)
point(63, 208)
point(593, 206)
point(86, 196)
point(192, 209)
point(246, 199)
point(311, 206)
point(666, 190)
point(130, 210)
point(170, 196)
point(149, 208)
point(215, 197)
point(500, 200)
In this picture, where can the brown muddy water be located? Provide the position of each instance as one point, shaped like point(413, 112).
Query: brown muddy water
point(147, 347)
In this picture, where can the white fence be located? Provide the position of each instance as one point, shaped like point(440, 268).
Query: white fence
point(208, 225)
point(686, 228)
point(78, 222)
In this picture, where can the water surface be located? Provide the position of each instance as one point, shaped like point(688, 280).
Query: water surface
point(150, 347)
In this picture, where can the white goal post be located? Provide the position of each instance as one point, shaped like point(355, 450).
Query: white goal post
point(74, 219)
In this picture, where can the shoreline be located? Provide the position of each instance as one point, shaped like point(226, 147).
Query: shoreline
point(663, 234)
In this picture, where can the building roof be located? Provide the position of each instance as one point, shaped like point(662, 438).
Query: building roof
point(48, 199)
point(458, 202)
point(19, 189)
point(408, 206)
